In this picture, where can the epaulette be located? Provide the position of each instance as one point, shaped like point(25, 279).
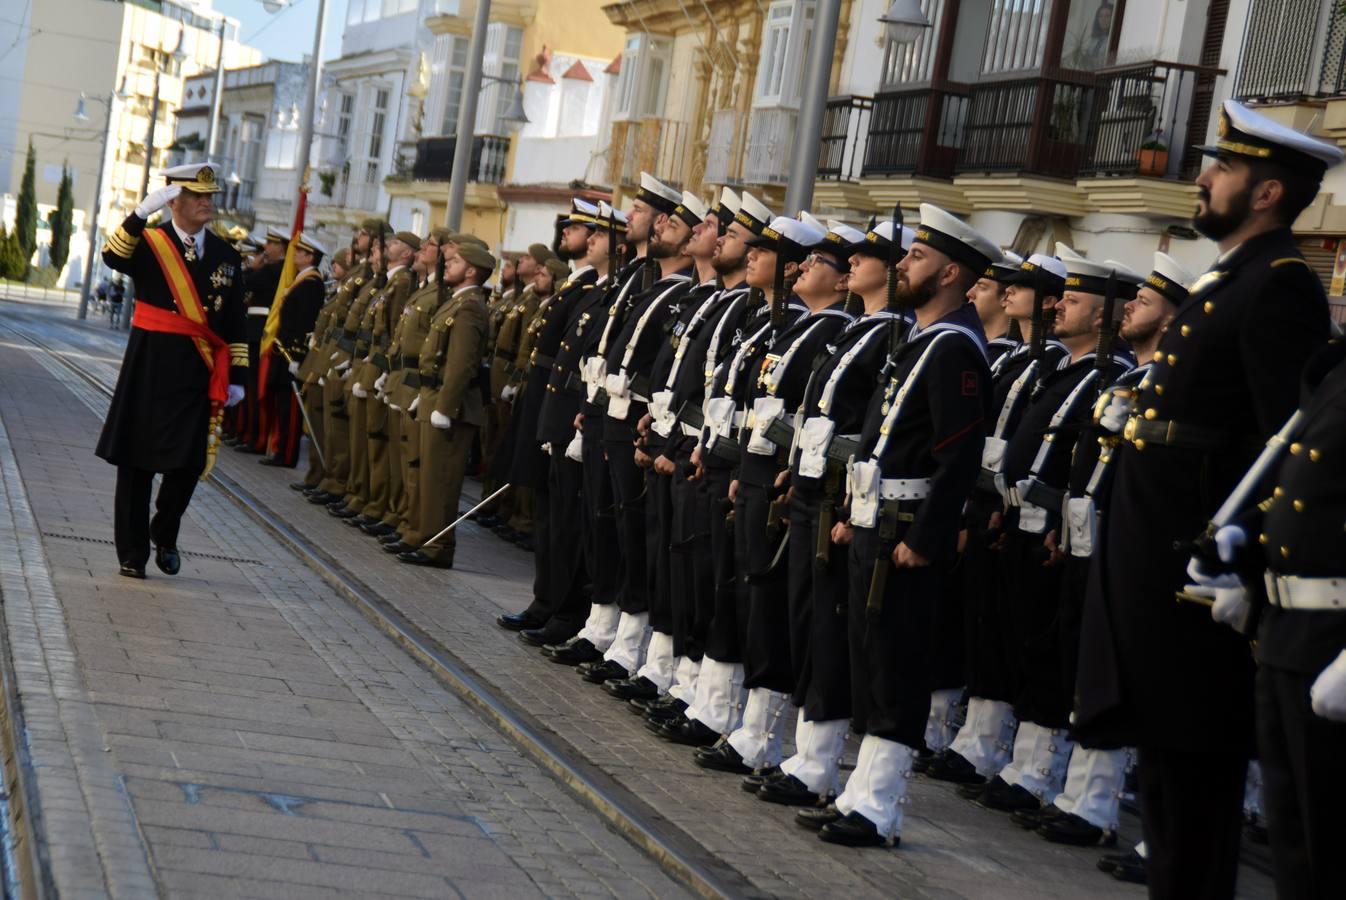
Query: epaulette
point(1286, 260)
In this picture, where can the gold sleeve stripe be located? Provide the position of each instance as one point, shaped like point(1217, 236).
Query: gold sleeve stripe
point(121, 243)
point(238, 345)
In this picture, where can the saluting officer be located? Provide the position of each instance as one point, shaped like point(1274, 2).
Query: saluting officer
point(186, 360)
point(298, 314)
point(916, 463)
point(1155, 673)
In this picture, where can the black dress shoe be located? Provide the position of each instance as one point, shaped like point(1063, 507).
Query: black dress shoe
point(272, 461)
point(753, 781)
point(131, 571)
point(632, 688)
point(660, 709)
point(971, 791)
point(228, 440)
point(502, 529)
point(246, 448)
point(547, 634)
point(950, 766)
point(300, 486)
point(342, 512)
point(815, 817)
point(322, 498)
point(378, 529)
point(788, 791)
point(573, 652)
point(517, 622)
point(722, 757)
point(398, 548)
point(166, 558)
point(1003, 797)
point(525, 543)
point(417, 558)
point(853, 830)
point(362, 520)
point(696, 734)
point(1129, 866)
point(391, 537)
point(1033, 819)
point(1255, 829)
point(921, 761)
point(486, 520)
point(602, 671)
point(1076, 831)
point(658, 725)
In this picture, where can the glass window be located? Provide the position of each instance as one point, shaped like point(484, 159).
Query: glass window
point(376, 124)
point(457, 71)
point(1017, 35)
point(914, 62)
point(345, 111)
point(785, 44)
point(1089, 29)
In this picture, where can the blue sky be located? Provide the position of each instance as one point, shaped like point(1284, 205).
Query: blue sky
point(288, 34)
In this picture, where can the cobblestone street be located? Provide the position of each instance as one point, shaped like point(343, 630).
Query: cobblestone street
point(243, 729)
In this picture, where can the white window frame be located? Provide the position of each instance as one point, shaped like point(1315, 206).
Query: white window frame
point(642, 87)
point(499, 60)
point(785, 44)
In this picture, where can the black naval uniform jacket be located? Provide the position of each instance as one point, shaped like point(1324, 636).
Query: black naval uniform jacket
point(556, 420)
point(529, 464)
point(699, 304)
point(805, 339)
point(1303, 525)
point(999, 346)
point(1154, 672)
point(259, 288)
point(937, 436)
point(298, 313)
point(639, 346)
point(160, 412)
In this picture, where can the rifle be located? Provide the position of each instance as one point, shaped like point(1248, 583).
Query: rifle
point(896, 331)
point(854, 305)
point(778, 294)
point(440, 288)
point(1037, 325)
point(612, 245)
point(1107, 333)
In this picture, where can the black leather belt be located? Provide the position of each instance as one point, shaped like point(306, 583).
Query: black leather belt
point(693, 415)
point(411, 378)
point(409, 361)
point(1043, 495)
point(725, 449)
point(346, 343)
point(542, 361)
point(1167, 433)
point(379, 360)
point(364, 335)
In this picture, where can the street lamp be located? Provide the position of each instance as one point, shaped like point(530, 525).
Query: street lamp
point(82, 116)
point(904, 22)
point(515, 117)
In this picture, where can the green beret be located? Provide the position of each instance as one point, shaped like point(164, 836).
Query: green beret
point(541, 253)
point(372, 227)
point(462, 239)
point(558, 269)
point(441, 235)
point(411, 240)
point(476, 257)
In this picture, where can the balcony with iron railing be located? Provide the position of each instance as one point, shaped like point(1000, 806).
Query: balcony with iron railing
point(1146, 117)
point(434, 159)
point(841, 149)
point(1032, 125)
point(917, 131)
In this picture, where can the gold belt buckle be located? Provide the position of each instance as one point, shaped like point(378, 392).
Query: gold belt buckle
point(1129, 431)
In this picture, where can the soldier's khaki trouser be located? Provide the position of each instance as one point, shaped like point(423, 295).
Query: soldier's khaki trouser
point(336, 436)
point(444, 456)
point(313, 405)
point(411, 471)
point(357, 481)
point(376, 443)
point(397, 498)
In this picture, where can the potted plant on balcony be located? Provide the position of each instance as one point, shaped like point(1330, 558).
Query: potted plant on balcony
point(1152, 157)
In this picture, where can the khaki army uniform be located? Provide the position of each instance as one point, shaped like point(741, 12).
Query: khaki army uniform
point(311, 390)
point(348, 456)
point(497, 410)
point(402, 389)
point(313, 372)
point(385, 477)
point(450, 361)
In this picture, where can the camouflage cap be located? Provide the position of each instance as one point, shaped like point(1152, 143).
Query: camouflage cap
point(476, 257)
point(411, 239)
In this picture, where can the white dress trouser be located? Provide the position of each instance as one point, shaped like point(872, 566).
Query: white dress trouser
point(628, 647)
point(939, 728)
point(877, 789)
point(1041, 756)
point(1094, 783)
point(818, 750)
point(600, 629)
point(685, 674)
point(987, 737)
point(659, 661)
point(758, 739)
point(719, 699)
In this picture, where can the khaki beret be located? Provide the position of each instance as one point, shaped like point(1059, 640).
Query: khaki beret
point(461, 238)
point(411, 240)
point(372, 227)
point(476, 257)
point(342, 258)
point(541, 253)
point(558, 269)
point(441, 235)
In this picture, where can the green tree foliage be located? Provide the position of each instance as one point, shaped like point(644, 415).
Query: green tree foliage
point(25, 221)
point(12, 262)
point(62, 220)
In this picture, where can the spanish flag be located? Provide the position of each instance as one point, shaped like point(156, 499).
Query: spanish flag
point(287, 274)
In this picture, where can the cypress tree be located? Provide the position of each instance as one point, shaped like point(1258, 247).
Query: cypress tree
point(25, 220)
point(62, 221)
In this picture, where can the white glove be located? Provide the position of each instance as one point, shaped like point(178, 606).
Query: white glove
point(1228, 541)
point(1231, 604)
point(322, 382)
point(359, 391)
point(343, 366)
point(156, 200)
point(294, 369)
point(440, 421)
point(1328, 693)
point(507, 394)
point(235, 395)
point(379, 382)
point(414, 403)
point(394, 407)
point(1115, 414)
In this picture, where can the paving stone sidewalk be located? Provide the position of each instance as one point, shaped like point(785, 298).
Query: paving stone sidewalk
point(252, 734)
point(950, 848)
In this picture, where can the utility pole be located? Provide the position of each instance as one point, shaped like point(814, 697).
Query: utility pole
point(87, 286)
point(311, 100)
point(213, 131)
point(808, 132)
point(467, 118)
point(149, 137)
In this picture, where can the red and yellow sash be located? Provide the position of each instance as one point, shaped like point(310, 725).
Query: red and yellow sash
point(190, 321)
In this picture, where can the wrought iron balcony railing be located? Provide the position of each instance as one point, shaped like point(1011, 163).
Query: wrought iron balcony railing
point(845, 129)
point(917, 131)
point(1036, 125)
point(657, 146)
point(434, 158)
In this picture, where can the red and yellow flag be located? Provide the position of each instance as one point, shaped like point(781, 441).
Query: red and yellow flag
point(287, 274)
